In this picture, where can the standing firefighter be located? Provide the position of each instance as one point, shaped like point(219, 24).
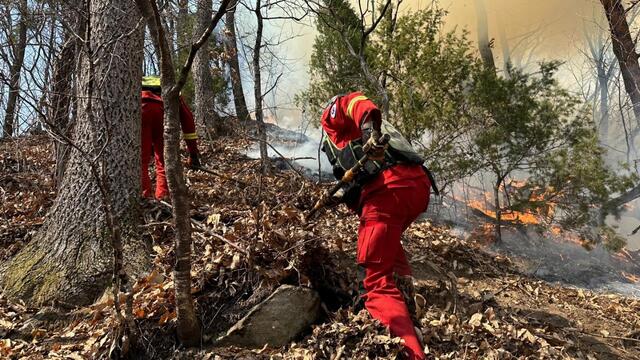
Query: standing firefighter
point(153, 139)
point(389, 193)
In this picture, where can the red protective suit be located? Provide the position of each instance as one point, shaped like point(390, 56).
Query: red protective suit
point(153, 140)
point(390, 203)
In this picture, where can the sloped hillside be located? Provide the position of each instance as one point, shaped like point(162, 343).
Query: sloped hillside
point(250, 237)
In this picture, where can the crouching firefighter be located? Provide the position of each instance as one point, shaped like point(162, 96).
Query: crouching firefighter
point(153, 136)
point(388, 194)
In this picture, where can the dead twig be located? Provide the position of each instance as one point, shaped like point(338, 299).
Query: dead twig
point(224, 177)
point(200, 226)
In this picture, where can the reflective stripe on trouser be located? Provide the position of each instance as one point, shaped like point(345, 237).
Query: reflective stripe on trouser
point(385, 215)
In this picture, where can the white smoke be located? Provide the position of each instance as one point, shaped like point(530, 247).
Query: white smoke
point(294, 145)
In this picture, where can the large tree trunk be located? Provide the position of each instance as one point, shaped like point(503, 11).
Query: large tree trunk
point(257, 91)
point(205, 112)
point(231, 50)
point(484, 43)
point(14, 73)
point(624, 49)
point(69, 261)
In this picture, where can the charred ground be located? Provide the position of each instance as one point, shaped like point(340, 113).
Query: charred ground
point(250, 239)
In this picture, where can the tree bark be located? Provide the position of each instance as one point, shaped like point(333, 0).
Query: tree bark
point(231, 50)
point(484, 43)
point(60, 98)
point(14, 73)
point(183, 36)
point(69, 261)
point(205, 112)
point(624, 49)
point(257, 89)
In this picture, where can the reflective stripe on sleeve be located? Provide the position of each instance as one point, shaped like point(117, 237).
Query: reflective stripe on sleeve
point(190, 136)
point(352, 103)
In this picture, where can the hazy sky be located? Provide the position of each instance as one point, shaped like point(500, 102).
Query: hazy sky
point(555, 29)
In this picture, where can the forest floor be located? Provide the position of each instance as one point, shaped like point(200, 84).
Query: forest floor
point(251, 238)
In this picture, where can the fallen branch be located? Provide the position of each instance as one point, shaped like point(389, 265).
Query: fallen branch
point(607, 336)
point(200, 226)
point(224, 177)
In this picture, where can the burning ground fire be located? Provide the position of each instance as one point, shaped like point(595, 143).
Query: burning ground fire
point(480, 199)
point(565, 257)
point(512, 216)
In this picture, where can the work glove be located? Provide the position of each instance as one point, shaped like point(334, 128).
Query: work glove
point(336, 199)
point(194, 161)
point(376, 151)
point(370, 138)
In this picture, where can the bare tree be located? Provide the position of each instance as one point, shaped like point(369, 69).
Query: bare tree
point(485, 44)
point(257, 89)
point(18, 48)
point(231, 52)
point(205, 112)
point(624, 48)
point(188, 324)
point(605, 70)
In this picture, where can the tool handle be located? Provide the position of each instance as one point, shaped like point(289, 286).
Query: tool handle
point(348, 176)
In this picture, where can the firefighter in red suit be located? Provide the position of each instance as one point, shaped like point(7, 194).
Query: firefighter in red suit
point(152, 136)
point(390, 194)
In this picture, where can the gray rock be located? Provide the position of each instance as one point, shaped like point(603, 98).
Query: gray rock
point(277, 320)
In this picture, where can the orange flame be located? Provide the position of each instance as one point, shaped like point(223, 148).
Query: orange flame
point(514, 216)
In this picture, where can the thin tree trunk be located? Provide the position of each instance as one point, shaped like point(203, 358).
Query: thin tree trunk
point(624, 49)
point(484, 44)
point(496, 195)
point(188, 325)
point(231, 50)
point(14, 73)
point(183, 37)
point(48, 68)
point(257, 90)
point(603, 79)
point(205, 112)
point(69, 261)
point(506, 50)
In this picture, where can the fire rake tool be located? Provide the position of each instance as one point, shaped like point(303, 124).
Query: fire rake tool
point(347, 178)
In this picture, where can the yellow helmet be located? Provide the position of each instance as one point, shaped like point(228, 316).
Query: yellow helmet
point(151, 82)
